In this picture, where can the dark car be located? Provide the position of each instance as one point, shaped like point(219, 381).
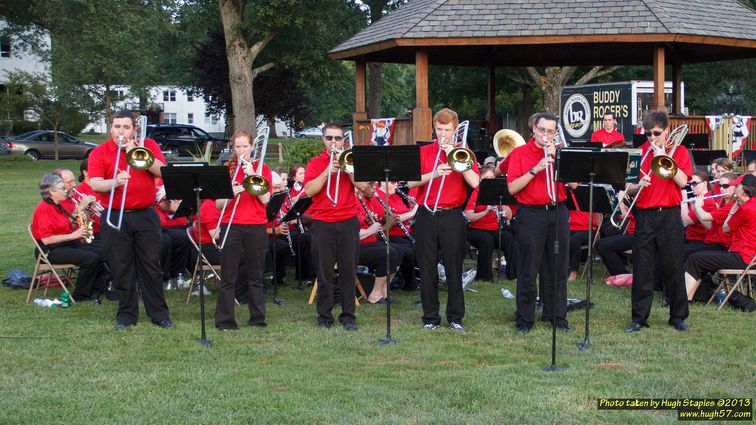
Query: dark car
point(184, 140)
point(38, 144)
point(4, 148)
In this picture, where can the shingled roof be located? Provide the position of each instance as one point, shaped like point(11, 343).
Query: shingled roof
point(598, 32)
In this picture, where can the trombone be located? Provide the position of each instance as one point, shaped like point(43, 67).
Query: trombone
point(346, 164)
point(255, 184)
point(460, 159)
point(139, 158)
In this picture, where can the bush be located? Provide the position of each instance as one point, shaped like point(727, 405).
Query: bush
point(302, 151)
point(16, 127)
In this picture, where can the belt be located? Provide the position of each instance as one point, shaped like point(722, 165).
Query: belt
point(444, 210)
point(545, 207)
point(659, 208)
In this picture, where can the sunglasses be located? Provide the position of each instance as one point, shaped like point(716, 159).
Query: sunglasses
point(655, 133)
point(694, 183)
point(724, 185)
point(336, 138)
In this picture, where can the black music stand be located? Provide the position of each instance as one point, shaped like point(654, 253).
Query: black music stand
point(704, 157)
point(608, 167)
point(199, 181)
point(295, 213)
point(495, 192)
point(271, 211)
point(373, 163)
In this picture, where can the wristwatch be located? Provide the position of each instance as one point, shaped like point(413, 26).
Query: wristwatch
point(532, 171)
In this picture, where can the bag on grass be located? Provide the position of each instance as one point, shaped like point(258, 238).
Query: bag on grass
point(17, 279)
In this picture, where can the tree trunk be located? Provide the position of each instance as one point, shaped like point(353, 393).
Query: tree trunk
point(55, 140)
point(239, 65)
point(272, 126)
point(374, 89)
point(107, 107)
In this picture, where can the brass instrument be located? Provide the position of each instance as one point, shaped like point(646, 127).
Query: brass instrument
point(346, 164)
point(504, 142)
point(371, 216)
point(84, 220)
point(401, 225)
point(460, 159)
point(94, 206)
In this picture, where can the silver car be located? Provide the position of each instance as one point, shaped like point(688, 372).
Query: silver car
point(38, 144)
point(309, 132)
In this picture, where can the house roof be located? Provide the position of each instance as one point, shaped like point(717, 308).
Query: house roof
point(557, 32)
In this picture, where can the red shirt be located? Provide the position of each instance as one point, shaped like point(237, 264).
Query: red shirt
point(522, 159)
point(85, 189)
point(322, 209)
point(615, 138)
point(504, 165)
point(743, 228)
point(398, 207)
point(48, 220)
point(696, 231)
point(250, 209)
point(579, 220)
point(365, 222)
point(69, 205)
point(141, 192)
point(455, 188)
point(488, 221)
point(167, 221)
point(663, 192)
point(209, 214)
point(716, 233)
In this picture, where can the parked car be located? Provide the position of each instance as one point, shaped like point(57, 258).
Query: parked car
point(184, 140)
point(38, 144)
point(5, 148)
point(313, 132)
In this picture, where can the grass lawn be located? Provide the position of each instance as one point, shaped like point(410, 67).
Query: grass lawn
point(71, 366)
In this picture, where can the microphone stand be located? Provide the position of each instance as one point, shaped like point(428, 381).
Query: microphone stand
point(586, 344)
point(387, 340)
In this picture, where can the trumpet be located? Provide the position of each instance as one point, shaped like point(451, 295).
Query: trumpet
point(94, 205)
point(254, 185)
point(371, 216)
point(401, 225)
point(346, 164)
point(460, 159)
point(139, 158)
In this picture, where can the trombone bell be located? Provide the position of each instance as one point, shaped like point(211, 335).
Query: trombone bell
point(460, 159)
point(664, 166)
point(140, 158)
point(346, 162)
point(256, 185)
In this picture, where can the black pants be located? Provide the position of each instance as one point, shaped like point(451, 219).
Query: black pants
point(659, 235)
point(407, 261)
point(611, 249)
point(536, 233)
point(90, 258)
point(282, 253)
point(578, 238)
point(700, 263)
point(134, 255)
point(251, 242)
point(373, 256)
point(303, 261)
point(691, 247)
point(335, 243)
point(182, 255)
point(213, 256)
point(444, 233)
point(487, 241)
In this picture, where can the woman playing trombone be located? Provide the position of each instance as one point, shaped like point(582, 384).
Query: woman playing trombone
point(243, 232)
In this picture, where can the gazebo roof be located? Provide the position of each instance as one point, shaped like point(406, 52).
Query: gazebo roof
point(557, 32)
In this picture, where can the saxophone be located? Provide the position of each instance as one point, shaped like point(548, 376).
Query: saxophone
point(83, 218)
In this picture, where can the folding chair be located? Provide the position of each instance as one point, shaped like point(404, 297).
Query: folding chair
point(356, 299)
point(206, 266)
point(741, 273)
point(43, 266)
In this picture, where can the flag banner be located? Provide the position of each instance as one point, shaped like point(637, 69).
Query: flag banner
point(381, 131)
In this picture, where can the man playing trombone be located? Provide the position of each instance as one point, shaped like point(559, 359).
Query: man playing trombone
point(133, 251)
point(658, 229)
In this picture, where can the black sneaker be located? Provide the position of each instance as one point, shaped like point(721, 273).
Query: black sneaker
point(522, 328)
point(121, 325)
point(456, 327)
point(325, 325)
point(261, 325)
point(635, 327)
point(680, 326)
point(165, 324)
point(350, 326)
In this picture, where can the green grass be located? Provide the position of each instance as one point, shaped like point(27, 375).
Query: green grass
point(70, 366)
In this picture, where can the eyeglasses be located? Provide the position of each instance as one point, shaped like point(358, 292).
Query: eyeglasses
point(336, 138)
point(724, 185)
point(548, 131)
point(655, 133)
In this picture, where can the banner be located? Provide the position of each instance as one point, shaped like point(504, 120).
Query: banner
point(713, 122)
point(381, 131)
point(740, 126)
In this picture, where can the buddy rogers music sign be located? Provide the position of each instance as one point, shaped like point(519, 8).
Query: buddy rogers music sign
point(583, 108)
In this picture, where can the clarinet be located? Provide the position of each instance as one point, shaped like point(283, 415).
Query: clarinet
point(288, 234)
point(291, 203)
point(410, 200)
point(371, 216)
point(400, 224)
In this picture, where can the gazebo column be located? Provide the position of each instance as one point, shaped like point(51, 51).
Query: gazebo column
point(677, 86)
point(658, 76)
point(492, 125)
point(421, 115)
point(360, 113)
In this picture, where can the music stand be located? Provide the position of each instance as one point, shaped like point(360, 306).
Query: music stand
point(295, 213)
point(373, 163)
point(704, 157)
point(608, 167)
point(198, 181)
point(271, 211)
point(495, 192)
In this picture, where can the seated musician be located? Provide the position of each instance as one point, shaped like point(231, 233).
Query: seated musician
point(695, 230)
point(609, 136)
point(579, 236)
point(84, 189)
point(279, 250)
point(716, 238)
point(719, 166)
point(483, 230)
point(300, 236)
point(69, 182)
point(60, 237)
point(373, 244)
point(740, 222)
point(612, 245)
point(297, 174)
point(510, 219)
point(752, 167)
point(178, 256)
point(403, 242)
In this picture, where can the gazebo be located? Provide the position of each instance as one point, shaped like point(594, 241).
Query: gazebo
point(491, 33)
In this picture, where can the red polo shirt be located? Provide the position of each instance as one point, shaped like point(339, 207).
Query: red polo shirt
point(167, 221)
point(743, 228)
point(85, 189)
point(210, 215)
point(398, 207)
point(488, 221)
point(141, 192)
point(69, 205)
point(579, 220)
point(615, 138)
point(663, 192)
point(716, 234)
point(322, 209)
point(696, 231)
point(455, 189)
point(250, 209)
point(504, 165)
point(48, 220)
point(521, 160)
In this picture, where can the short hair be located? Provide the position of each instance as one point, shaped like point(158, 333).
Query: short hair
point(538, 116)
point(333, 126)
point(724, 163)
point(656, 119)
point(487, 168)
point(609, 113)
point(59, 172)
point(749, 185)
point(83, 166)
point(123, 114)
point(704, 176)
point(48, 183)
point(446, 116)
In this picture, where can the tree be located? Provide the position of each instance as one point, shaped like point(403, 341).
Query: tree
point(550, 81)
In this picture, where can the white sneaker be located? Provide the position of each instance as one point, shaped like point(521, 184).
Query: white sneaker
point(468, 278)
point(441, 273)
point(207, 292)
